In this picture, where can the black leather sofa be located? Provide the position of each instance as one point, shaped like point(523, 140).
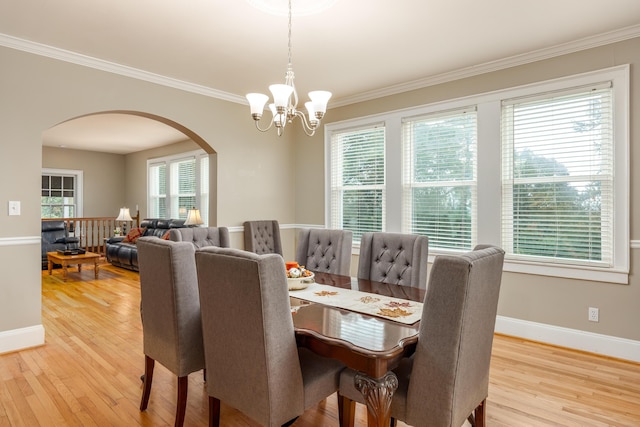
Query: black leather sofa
point(56, 236)
point(125, 254)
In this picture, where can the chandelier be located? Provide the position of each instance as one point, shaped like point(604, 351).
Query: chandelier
point(285, 102)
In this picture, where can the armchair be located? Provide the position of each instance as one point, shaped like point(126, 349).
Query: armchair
point(55, 235)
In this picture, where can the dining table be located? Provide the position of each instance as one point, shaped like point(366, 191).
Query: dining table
point(368, 343)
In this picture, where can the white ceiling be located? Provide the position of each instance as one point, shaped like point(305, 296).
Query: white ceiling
point(357, 49)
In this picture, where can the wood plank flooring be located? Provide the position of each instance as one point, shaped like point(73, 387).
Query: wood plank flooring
point(88, 372)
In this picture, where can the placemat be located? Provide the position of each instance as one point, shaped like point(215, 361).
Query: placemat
point(396, 309)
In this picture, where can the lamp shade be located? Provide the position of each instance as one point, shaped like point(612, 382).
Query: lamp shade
point(257, 102)
point(193, 217)
point(320, 99)
point(281, 94)
point(124, 215)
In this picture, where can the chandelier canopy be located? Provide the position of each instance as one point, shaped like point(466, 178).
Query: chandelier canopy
point(285, 102)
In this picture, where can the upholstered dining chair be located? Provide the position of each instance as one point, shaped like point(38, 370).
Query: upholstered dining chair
point(446, 380)
point(400, 259)
point(201, 236)
point(253, 363)
point(170, 310)
point(324, 250)
point(262, 237)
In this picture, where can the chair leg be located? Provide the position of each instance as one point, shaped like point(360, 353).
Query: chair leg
point(214, 412)
point(290, 422)
point(346, 411)
point(147, 378)
point(181, 405)
point(480, 415)
point(393, 422)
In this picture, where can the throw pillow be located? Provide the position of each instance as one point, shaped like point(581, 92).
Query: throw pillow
point(133, 235)
point(166, 235)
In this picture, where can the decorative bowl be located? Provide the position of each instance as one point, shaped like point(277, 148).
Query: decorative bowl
point(300, 282)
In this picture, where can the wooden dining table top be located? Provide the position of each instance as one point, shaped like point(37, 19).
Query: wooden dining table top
point(363, 342)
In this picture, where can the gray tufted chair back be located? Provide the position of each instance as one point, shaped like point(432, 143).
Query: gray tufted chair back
point(327, 251)
point(262, 237)
point(253, 362)
point(201, 236)
point(395, 258)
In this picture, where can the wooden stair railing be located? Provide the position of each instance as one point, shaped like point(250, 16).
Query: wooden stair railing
point(94, 231)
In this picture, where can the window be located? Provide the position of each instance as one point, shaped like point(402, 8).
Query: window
point(358, 180)
point(177, 184)
point(61, 193)
point(541, 170)
point(558, 177)
point(439, 197)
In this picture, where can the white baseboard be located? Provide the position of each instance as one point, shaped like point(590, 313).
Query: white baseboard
point(19, 339)
point(605, 345)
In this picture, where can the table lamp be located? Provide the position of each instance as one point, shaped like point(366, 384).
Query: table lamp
point(193, 218)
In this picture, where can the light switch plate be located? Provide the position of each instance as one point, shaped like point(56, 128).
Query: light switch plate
point(14, 208)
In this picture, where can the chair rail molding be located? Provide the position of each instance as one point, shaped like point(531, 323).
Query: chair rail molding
point(18, 241)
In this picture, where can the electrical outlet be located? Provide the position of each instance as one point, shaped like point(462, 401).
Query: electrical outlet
point(594, 314)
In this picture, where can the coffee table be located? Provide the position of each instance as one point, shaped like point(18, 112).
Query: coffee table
point(66, 260)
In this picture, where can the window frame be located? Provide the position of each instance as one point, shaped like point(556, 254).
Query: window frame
point(201, 193)
point(489, 169)
point(78, 176)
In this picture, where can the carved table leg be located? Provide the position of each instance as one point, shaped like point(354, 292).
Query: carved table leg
point(378, 393)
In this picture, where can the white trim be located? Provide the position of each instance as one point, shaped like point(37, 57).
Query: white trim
point(605, 345)
point(111, 67)
point(501, 64)
point(20, 339)
point(19, 241)
point(513, 61)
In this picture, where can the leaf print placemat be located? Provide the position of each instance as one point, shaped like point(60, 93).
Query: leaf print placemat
point(396, 309)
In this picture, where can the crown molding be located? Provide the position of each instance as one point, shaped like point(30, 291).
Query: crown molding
point(501, 64)
point(513, 61)
point(112, 67)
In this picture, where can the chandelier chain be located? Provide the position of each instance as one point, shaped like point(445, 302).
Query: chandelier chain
point(289, 32)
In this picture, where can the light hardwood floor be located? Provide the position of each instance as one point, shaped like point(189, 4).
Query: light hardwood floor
point(88, 373)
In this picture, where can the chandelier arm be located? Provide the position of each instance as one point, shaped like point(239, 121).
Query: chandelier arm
point(263, 130)
point(308, 129)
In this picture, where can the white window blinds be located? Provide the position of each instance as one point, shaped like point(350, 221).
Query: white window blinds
point(177, 184)
point(358, 180)
point(439, 191)
point(558, 177)
point(183, 186)
point(157, 191)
